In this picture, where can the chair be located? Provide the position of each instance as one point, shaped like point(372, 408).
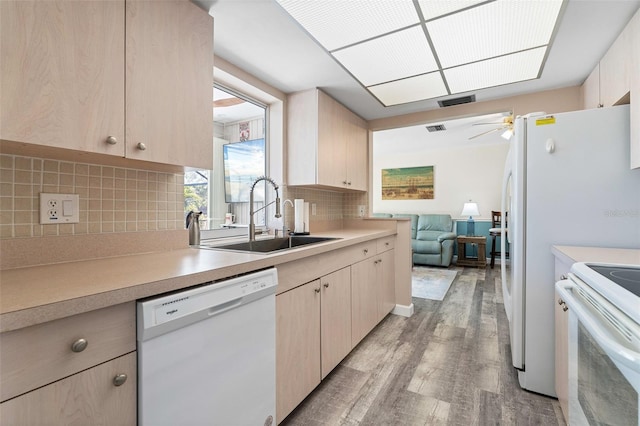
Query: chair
point(496, 231)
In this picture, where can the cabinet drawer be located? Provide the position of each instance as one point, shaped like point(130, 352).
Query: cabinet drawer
point(38, 355)
point(386, 243)
point(88, 398)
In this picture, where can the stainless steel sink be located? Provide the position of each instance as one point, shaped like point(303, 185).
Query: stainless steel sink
point(270, 245)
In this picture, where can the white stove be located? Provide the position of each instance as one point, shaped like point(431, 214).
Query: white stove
point(603, 301)
point(619, 284)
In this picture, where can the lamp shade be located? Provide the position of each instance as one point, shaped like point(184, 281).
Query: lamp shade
point(470, 209)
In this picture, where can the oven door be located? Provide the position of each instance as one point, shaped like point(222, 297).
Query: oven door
point(604, 359)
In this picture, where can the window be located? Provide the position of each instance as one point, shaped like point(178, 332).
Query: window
point(239, 157)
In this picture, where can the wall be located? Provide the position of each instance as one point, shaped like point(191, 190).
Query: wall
point(460, 174)
point(550, 101)
point(112, 199)
point(331, 207)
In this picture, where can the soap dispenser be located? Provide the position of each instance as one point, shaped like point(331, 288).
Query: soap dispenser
point(193, 225)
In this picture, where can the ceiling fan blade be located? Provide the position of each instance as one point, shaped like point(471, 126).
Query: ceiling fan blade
point(227, 102)
point(486, 133)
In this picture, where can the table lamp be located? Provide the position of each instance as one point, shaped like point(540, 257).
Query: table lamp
point(470, 209)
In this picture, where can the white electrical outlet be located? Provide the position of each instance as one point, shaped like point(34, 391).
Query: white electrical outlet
point(59, 208)
point(361, 210)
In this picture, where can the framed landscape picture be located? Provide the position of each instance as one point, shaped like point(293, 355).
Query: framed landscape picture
point(410, 183)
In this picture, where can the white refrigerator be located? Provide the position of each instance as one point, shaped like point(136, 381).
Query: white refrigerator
point(567, 182)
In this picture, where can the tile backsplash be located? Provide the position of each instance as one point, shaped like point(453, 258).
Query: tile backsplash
point(112, 199)
point(330, 206)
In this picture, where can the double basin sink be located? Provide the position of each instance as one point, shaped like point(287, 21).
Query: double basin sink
point(270, 245)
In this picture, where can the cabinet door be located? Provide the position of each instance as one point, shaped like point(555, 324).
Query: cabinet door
point(357, 160)
point(169, 75)
point(297, 346)
point(62, 79)
point(331, 148)
point(562, 355)
point(386, 284)
point(335, 318)
point(615, 70)
point(591, 90)
point(89, 397)
point(364, 299)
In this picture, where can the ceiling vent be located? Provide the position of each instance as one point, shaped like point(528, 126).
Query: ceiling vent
point(457, 101)
point(436, 128)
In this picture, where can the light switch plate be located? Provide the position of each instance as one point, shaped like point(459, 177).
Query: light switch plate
point(59, 208)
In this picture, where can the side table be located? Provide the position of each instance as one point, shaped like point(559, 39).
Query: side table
point(481, 260)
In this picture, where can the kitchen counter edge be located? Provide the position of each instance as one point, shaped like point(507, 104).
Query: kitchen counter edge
point(39, 294)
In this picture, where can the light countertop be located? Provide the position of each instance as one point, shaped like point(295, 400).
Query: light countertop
point(38, 294)
point(572, 254)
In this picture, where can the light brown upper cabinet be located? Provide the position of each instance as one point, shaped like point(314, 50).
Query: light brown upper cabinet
point(63, 74)
point(65, 65)
point(615, 81)
point(327, 143)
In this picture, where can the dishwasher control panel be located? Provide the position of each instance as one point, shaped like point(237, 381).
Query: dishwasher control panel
point(204, 301)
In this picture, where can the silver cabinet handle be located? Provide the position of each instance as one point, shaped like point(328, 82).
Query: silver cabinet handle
point(317, 290)
point(563, 277)
point(111, 140)
point(365, 251)
point(119, 379)
point(141, 146)
point(79, 345)
point(565, 308)
point(560, 302)
point(349, 183)
point(326, 285)
point(386, 244)
point(344, 182)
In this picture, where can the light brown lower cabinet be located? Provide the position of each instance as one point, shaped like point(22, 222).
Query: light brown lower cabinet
point(297, 346)
point(94, 396)
point(386, 284)
point(335, 319)
point(372, 293)
point(313, 334)
point(364, 299)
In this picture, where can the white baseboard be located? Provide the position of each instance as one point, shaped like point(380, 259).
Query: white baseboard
point(403, 310)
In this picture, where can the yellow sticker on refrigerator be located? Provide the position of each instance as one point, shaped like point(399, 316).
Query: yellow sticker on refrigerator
point(550, 119)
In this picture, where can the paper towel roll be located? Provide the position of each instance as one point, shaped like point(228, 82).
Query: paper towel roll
point(306, 217)
point(298, 205)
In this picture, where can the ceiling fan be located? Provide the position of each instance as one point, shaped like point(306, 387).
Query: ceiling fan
point(227, 102)
point(506, 124)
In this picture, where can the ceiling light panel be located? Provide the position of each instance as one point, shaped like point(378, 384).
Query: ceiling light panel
point(493, 29)
point(434, 8)
point(495, 72)
point(391, 57)
point(410, 89)
point(336, 24)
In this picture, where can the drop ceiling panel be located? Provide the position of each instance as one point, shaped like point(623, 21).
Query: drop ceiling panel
point(434, 8)
point(495, 72)
point(337, 24)
point(410, 89)
point(493, 29)
point(394, 55)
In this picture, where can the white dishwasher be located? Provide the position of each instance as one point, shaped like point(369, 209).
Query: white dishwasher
point(206, 356)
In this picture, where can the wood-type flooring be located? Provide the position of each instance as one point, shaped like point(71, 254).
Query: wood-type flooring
point(449, 364)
